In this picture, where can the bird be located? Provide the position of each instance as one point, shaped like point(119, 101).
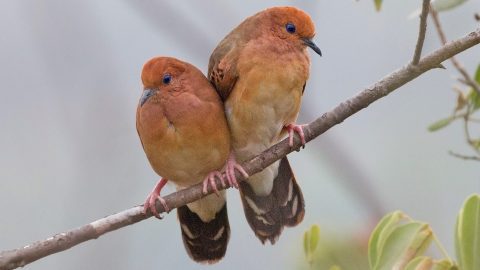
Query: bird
point(182, 127)
point(260, 71)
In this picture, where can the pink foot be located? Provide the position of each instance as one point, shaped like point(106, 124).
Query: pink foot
point(299, 130)
point(230, 168)
point(153, 196)
point(210, 179)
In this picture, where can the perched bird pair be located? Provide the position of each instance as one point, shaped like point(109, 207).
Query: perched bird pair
point(259, 71)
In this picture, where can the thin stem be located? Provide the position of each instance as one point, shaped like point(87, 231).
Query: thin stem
point(421, 32)
point(440, 247)
point(455, 62)
point(476, 158)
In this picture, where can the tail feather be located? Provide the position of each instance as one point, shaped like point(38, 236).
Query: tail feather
point(205, 242)
point(284, 206)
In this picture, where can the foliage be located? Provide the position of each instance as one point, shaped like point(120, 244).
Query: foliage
point(467, 104)
point(399, 242)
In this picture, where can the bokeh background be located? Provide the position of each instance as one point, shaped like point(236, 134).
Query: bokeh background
point(69, 152)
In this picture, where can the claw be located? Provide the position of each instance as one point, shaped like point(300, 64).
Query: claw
point(299, 130)
point(153, 196)
point(230, 168)
point(210, 179)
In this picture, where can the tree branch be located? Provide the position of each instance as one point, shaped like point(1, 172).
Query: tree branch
point(421, 32)
point(455, 62)
point(22, 256)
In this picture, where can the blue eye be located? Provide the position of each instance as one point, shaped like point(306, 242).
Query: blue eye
point(167, 78)
point(290, 28)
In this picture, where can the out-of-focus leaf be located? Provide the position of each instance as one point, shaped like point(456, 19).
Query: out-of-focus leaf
point(310, 242)
point(378, 4)
point(377, 239)
point(406, 242)
point(420, 263)
point(474, 98)
point(306, 244)
point(444, 265)
point(335, 267)
point(467, 234)
point(476, 143)
point(427, 263)
point(462, 100)
point(439, 6)
point(444, 5)
point(477, 74)
point(314, 236)
point(440, 124)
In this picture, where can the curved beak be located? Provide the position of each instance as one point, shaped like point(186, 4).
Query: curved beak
point(147, 93)
point(312, 45)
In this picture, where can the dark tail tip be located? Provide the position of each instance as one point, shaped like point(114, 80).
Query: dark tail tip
point(284, 206)
point(205, 242)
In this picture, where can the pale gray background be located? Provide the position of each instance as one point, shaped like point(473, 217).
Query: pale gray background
point(69, 152)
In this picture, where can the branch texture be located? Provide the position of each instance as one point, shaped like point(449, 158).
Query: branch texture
point(22, 256)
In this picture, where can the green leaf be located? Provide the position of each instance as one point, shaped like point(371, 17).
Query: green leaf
point(310, 242)
point(444, 5)
point(474, 98)
point(477, 74)
point(335, 267)
point(378, 4)
point(444, 265)
point(420, 263)
point(406, 242)
point(427, 263)
point(380, 233)
point(475, 143)
point(440, 124)
point(314, 236)
point(467, 234)
point(306, 244)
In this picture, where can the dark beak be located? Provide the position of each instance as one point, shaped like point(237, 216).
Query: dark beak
point(312, 45)
point(147, 93)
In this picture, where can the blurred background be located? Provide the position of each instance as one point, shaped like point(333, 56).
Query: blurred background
point(69, 151)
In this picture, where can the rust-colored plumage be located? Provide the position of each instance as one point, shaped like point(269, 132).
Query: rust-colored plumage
point(183, 130)
point(260, 70)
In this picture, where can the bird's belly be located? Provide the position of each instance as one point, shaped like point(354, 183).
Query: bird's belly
point(185, 161)
point(258, 119)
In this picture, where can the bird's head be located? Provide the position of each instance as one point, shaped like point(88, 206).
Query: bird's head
point(291, 24)
point(162, 74)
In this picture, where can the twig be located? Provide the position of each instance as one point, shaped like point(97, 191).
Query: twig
point(463, 156)
point(22, 256)
point(421, 32)
point(455, 62)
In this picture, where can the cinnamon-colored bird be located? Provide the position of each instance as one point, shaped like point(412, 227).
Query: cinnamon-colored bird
point(260, 70)
point(183, 130)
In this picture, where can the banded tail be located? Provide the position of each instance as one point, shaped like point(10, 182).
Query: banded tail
point(283, 206)
point(205, 242)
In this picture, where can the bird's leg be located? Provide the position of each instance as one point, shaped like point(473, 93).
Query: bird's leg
point(299, 130)
point(210, 179)
point(230, 168)
point(153, 196)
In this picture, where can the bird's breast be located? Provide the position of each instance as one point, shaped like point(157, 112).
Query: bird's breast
point(183, 143)
point(266, 97)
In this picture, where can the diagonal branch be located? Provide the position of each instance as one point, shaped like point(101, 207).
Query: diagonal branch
point(421, 32)
point(455, 62)
point(22, 256)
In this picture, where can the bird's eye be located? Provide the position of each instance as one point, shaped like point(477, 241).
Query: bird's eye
point(167, 78)
point(290, 28)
